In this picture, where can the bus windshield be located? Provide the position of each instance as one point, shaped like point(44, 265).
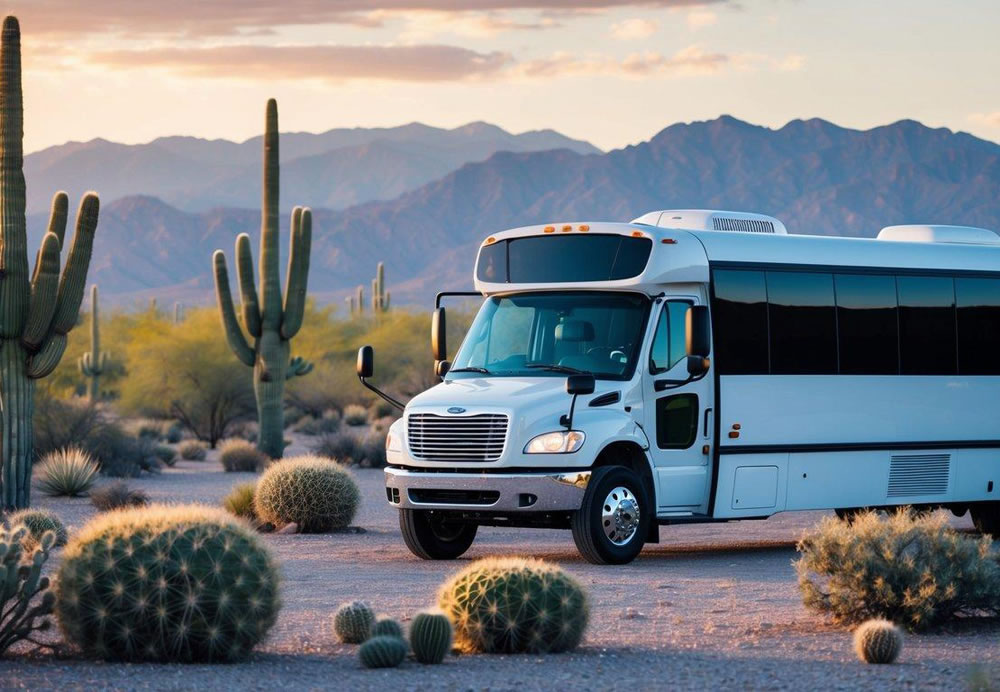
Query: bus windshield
point(555, 333)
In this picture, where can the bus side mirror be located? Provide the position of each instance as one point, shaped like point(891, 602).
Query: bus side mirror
point(441, 368)
point(366, 362)
point(580, 384)
point(698, 338)
point(439, 343)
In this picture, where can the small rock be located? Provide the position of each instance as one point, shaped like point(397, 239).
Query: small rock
point(632, 614)
point(291, 527)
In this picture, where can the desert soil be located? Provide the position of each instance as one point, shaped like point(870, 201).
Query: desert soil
point(710, 607)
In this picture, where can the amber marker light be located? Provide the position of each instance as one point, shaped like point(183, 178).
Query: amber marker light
point(550, 229)
point(584, 228)
point(491, 240)
point(637, 234)
point(567, 229)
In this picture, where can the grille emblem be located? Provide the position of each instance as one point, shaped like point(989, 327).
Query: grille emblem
point(456, 409)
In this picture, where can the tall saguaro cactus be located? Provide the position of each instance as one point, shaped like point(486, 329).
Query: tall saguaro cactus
point(37, 310)
point(380, 296)
point(270, 321)
point(94, 362)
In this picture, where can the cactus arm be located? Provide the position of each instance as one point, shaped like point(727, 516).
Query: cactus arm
point(234, 334)
point(58, 215)
point(44, 291)
point(45, 361)
point(298, 367)
point(248, 292)
point(298, 276)
point(14, 288)
point(74, 276)
point(270, 283)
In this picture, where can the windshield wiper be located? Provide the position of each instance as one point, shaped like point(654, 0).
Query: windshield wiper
point(558, 368)
point(471, 369)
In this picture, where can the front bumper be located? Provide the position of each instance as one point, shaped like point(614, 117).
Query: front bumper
point(490, 492)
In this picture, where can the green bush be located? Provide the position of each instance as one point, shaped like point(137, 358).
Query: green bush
point(316, 493)
point(514, 605)
point(22, 612)
point(430, 637)
point(150, 431)
point(381, 409)
point(119, 454)
point(240, 455)
point(372, 451)
point(352, 623)
point(239, 501)
point(166, 454)
point(117, 495)
point(68, 472)
point(352, 451)
point(878, 641)
point(382, 652)
point(913, 570)
point(317, 426)
point(60, 423)
point(192, 450)
point(355, 415)
point(168, 584)
point(38, 522)
point(174, 434)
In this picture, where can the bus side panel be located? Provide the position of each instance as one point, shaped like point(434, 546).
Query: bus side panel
point(751, 485)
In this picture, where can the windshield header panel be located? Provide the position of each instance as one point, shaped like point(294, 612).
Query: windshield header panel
point(563, 259)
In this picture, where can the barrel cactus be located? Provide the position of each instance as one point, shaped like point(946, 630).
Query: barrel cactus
point(166, 583)
point(38, 522)
point(94, 362)
point(314, 492)
point(430, 637)
point(387, 627)
point(382, 652)
point(272, 321)
point(878, 641)
point(25, 598)
point(514, 605)
point(353, 622)
point(37, 309)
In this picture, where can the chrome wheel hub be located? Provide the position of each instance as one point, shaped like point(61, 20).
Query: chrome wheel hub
point(620, 515)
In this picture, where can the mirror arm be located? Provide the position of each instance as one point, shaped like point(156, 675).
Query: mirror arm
point(565, 420)
point(401, 406)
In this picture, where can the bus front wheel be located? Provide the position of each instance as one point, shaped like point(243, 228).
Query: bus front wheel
point(986, 518)
point(611, 525)
point(435, 535)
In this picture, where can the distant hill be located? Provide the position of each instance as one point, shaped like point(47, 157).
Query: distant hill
point(334, 169)
point(817, 177)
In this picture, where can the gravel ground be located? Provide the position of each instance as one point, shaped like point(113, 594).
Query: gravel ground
point(711, 606)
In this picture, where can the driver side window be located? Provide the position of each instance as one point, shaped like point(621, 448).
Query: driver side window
point(669, 341)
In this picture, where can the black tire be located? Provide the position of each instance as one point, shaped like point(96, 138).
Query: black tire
point(588, 522)
point(434, 536)
point(986, 518)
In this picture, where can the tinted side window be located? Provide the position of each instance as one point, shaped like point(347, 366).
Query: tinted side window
point(669, 347)
point(676, 421)
point(978, 326)
point(868, 332)
point(739, 317)
point(926, 325)
point(493, 263)
point(803, 323)
point(571, 258)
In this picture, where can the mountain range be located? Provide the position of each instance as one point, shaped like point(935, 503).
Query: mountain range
point(815, 176)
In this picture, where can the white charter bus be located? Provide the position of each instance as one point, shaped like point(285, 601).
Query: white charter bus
point(696, 366)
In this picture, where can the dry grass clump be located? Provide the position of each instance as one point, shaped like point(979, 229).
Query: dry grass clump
point(239, 501)
point(68, 472)
point(913, 570)
point(38, 521)
point(316, 493)
point(192, 450)
point(117, 495)
point(240, 455)
point(328, 423)
point(355, 415)
point(353, 451)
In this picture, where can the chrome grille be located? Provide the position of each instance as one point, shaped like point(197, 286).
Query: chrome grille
point(457, 438)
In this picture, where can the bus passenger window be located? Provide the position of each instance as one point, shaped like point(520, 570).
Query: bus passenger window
point(927, 325)
point(802, 323)
point(739, 316)
point(978, 326)
point(867, 325)
point(669, 347)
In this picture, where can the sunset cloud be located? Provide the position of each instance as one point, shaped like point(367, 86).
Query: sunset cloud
point(988, 119)
point(632, 29)
point(691, 60)
point(697, 19)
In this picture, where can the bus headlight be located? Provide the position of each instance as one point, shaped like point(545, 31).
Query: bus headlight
point(559, 442)
point(394, 440)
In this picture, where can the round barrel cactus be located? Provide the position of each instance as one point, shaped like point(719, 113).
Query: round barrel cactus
point(878, 641)
point(430, 637)
point(171, 584)
point(387, 627)
point(353, 622)
point(38, 521)
point(514, 605)
point(314, 492)
point(382, 652)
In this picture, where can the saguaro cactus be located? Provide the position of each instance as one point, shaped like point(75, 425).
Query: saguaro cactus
point(380, 296)
point(178, 312)
point(94, 362)
point(360, 299)
point(36, 310)
point(271, 321)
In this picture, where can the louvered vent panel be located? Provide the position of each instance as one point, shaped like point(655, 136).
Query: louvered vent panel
point(457, 438)
point(918, 474)
point(722, 223)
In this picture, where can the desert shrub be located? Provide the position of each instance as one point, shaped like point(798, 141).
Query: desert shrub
point(382, 652)
point(372, 451)
point(239, 501)
point(38, 522)
point(913, 570)
point(343, 448)
point(192, 450)
point(293, 414)
point(383, 424)
point(25, 599)
point(119, 454)
point(514, 605)
point(353, 622)
point(317, 426)
point(316, 493)
point(430, 637)
point(381, 409)
point(387, 627)
point(117, 495)
point(150, 431)
point(59, 423)
point(121, 596)
point(69, 472)
point(240, 455)
point(878, 641)
point(174, 433)
point(355, 415)
point(167, 455)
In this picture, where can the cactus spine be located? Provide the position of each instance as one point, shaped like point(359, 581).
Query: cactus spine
point(37, 310)
point(430, 637)
point(272, 321)
point(94, 362)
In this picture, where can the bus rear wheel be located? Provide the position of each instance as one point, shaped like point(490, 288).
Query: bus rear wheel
point(435, 535)
point(986, 518)
point(611, 525)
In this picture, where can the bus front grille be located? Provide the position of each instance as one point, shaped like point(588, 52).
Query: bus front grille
point(480, 437)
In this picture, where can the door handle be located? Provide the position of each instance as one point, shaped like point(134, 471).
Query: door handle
point(708, 412)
